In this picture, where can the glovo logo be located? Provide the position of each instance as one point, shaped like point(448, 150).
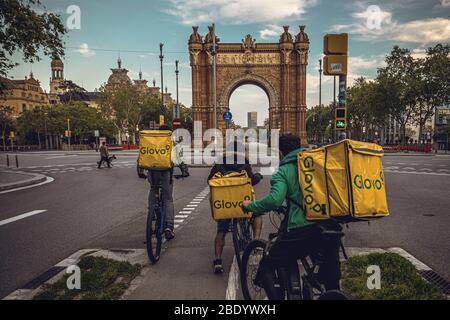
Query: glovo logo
point(308, 163)
point(224, 204)
point(368, 184)
point(154, 150)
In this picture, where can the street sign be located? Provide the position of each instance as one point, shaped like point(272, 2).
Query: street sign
point(97, 133)
point(227, 116)
point(67, 133)
point(335, 65)
point(176, 123)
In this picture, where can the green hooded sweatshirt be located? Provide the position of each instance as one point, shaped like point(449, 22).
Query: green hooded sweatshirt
point(284, 185)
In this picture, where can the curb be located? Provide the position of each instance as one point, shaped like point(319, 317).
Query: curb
point(55, 273)
point(234, 277)
point(37, 178)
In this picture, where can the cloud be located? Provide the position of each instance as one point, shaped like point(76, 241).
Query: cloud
point(85, 51)
point(445, 3)
point(271, 31)
point(360, 63)
point(375, 23)
point(237, 11)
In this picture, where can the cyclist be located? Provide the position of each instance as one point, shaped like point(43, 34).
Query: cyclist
point(301, 237)
point(231, 164)
point(163, 179)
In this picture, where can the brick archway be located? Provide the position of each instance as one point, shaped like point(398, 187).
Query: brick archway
point(278, 68)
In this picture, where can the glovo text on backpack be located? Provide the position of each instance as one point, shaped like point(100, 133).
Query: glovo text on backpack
point(228, 192)
point(344, 181)
point(155, 149)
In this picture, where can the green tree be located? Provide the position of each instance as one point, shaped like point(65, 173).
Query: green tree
point(6, 123)
point(318, 119)
point(400, 83)
point(434, 84)
point(29, 32)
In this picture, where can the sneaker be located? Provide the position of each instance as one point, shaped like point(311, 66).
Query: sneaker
point(218, 268)
point(169, 234)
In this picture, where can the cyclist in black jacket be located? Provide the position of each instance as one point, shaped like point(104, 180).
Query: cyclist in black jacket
point(231, 164)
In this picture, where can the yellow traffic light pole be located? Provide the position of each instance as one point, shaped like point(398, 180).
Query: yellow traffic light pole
point(335, 48)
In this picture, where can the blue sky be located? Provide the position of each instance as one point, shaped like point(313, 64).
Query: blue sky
point(136, 27)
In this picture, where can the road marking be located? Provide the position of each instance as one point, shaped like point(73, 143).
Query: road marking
point(188, 209)
point(48, 180)
point(185, 212)
point(192, 205)
point(59, 157)
point(195, 202)
point(233, 281)
point(21, 216)
point(183, 216)
point(413, 172)
point(178, 220)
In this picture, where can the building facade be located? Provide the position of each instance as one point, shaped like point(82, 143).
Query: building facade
point(252, 119)
point(22, 95)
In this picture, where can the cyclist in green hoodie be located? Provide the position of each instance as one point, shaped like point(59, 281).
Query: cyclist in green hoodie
point(302, 237)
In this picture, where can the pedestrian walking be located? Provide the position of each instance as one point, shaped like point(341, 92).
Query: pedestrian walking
point(104, 156)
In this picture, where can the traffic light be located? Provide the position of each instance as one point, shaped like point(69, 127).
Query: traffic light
point(341, 124)
point(341, 119)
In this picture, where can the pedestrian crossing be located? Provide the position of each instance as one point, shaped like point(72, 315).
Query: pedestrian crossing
point(77, 167)
point(416, 168)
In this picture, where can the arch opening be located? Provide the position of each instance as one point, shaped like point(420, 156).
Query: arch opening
point(249, 103)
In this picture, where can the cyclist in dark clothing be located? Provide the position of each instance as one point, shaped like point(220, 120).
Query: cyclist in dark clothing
point(231, 164)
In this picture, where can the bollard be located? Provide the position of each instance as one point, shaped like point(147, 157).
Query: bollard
point(17, 162)
point(7, 160)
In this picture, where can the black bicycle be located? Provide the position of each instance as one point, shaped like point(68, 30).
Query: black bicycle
point(155, 228)
point(295, 285)
point(242, 235)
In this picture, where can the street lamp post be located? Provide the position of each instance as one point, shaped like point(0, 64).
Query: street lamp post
point(161, 57)
point(213, 52)
point(320, 82)
point(68, 131)
point(177, 107)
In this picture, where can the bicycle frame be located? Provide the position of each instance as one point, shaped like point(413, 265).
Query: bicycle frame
point(161, 211)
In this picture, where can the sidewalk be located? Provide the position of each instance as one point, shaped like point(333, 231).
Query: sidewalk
point(10, 179)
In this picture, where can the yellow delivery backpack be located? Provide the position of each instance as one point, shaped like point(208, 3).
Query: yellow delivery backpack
point(344, 181)
point(155, 149)
point(228, 192)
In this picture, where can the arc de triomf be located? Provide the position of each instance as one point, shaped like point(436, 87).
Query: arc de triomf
point(278, 68)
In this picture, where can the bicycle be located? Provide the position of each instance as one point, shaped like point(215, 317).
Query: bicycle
point(242, 235)
point(293, 284)
point(155, 228)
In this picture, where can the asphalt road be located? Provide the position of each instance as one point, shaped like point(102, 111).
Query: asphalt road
point(91, 208)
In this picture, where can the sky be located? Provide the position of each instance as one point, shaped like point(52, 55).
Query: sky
point(133, 29)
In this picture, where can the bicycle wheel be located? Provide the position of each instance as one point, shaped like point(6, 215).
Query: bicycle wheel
point(242, 235)
point(251, 259)
point(334, 295)
point(154, 236)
